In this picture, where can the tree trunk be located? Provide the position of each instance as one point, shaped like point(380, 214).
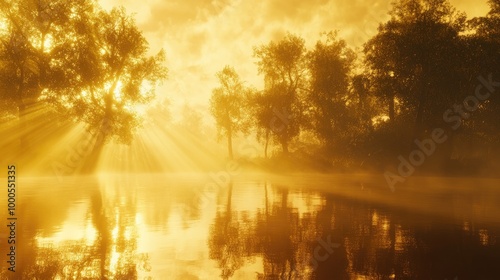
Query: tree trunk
point(230, 145)
point(284, 145)
point(267, 144)
point(91, 161)
point(103, 240)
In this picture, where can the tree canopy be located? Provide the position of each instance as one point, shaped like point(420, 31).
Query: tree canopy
point(227, 105)
point(85, 63)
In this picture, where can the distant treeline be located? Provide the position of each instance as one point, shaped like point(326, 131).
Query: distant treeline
point(428, 70)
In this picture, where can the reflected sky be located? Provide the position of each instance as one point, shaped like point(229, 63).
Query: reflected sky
point(143, 227)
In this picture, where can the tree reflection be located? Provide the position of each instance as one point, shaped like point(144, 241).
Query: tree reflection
point(225, 242)
point(283, 235)
point(37, 217)
point(330, 228)
point(114, 217)
point(346, 239)
point(278, 234)
point(112, 254)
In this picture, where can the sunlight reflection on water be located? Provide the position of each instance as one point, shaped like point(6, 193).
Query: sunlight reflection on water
point(259, 229)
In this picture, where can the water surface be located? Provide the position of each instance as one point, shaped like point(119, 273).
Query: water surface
point(256, 227)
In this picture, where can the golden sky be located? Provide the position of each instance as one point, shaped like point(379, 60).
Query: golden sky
point(200, 37)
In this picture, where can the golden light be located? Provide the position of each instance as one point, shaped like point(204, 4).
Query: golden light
point(117, 92)
point(47, 43)
point(3, 25)
point(109, 215)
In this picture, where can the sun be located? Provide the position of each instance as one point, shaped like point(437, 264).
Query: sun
point(3, 25)
point(47, 43)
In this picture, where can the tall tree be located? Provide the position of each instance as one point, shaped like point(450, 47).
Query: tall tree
point(226, 106)
point(483, 59)
point(330, 63)
point(366, 105)
point(113, 72)
point(91, 64)
point(415, 60)
point(284, 67)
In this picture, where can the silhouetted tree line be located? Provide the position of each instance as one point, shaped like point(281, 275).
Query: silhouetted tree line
point(427, 67)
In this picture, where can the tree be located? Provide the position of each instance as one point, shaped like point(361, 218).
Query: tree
point(483, 58)
point(226, 106)
point(330, 64)
point(415, 60)
point(113, 73)
point(381, 71)
point(261, 106)
point(226, 245)
point(367, 106)
point(35, 33)
point(487, 26)
point(90, 64)
point(284, 67)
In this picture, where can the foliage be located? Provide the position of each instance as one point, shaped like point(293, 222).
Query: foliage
point(330, 64)
point(226, 105)
point(283, 65)
point(112, 71)
point(89, 63)
point(414, 60)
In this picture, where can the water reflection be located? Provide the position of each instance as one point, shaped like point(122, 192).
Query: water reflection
point(226, 241)
point(108, 252)
point(157, 228)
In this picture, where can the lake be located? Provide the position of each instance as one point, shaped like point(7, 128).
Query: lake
point(196, 226)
